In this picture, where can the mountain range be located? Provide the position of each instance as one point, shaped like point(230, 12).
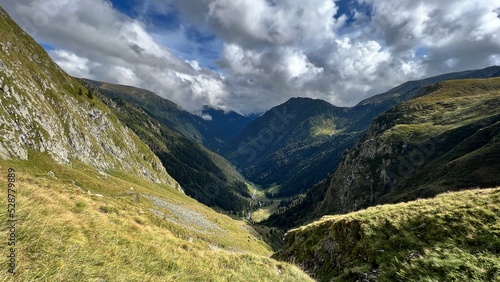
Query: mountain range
point(445, 138)
point(91, 200)
point(118, 183)
point(314, 136)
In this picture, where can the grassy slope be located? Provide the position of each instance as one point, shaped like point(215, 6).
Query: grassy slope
point(453, 237)
point(66, 233)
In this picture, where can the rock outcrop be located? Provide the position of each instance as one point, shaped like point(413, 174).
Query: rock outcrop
point(445, 139)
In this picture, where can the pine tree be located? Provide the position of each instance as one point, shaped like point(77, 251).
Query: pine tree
point(80, 92)
point(90, 93)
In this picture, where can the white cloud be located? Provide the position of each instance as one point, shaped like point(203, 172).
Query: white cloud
point(251, 23)
point(71, 63)
point(270, 50)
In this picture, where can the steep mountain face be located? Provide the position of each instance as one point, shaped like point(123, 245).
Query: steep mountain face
point(203, 175)
point(293, 145)
point(297, 144)
point(448, 138)
point(213, 133)
point(41, 111)
point(453, 237)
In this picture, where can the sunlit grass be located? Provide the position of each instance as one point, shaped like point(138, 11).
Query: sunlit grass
point(263, 213)
point(66, 232)
point(453, 237)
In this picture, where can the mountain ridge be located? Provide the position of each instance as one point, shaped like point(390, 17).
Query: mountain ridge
point(445, 138)
point(210, 133)
point(290, 160)
point(203, 174)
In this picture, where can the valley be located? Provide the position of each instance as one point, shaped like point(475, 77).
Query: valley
point(119, 183)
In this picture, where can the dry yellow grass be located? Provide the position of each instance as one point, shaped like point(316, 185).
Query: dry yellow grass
point(65, 233)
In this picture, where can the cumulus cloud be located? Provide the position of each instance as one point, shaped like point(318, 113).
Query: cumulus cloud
point(265, 51)
point(71, 63)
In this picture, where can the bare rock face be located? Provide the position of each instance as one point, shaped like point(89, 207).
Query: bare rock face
point(41, 111)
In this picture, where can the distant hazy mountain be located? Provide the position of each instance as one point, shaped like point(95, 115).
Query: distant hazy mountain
point(225, 125)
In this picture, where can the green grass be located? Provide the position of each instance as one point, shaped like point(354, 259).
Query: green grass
point(52, 115)
point(265, 212)
point(448, 105)
point(453, 237)
point(65, 232)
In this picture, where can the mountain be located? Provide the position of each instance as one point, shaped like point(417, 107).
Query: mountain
point(202, 174)
point(212, 132)
point(226, 125)
point(295, 145)
point(446, 138)
point(370, 108)
point(42, 111)
point(453, 237)
point(87, 200)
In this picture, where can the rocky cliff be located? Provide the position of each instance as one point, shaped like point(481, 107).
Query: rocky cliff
point(447, 138)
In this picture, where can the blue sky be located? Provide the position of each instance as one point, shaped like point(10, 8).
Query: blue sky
point(202, 46)
point(190, 43)
point(251, 55)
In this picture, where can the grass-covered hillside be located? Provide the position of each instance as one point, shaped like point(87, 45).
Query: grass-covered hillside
point(76, 224)
point(452, 237)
